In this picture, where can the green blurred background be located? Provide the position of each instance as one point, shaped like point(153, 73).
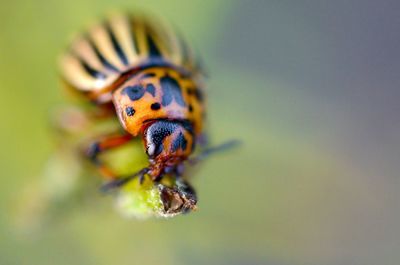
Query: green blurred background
point(310, 86)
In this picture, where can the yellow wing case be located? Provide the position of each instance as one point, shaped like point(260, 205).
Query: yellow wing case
point(99, 56)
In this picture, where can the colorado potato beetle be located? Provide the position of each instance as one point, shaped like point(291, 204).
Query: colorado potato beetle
point(144, 74)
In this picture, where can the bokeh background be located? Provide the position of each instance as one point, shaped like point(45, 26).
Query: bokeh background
point(312, 89)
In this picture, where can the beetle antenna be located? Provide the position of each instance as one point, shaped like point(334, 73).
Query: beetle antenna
point(215, 149)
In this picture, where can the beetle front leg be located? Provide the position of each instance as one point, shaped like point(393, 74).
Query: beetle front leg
point(117, 183)
point(104, 144)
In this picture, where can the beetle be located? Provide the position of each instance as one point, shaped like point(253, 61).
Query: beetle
point(145, 75)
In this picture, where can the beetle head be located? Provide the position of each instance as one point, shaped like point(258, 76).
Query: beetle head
point(168, 142)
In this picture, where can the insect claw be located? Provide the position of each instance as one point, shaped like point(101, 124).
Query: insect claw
point(141, 174)
point(141, 179)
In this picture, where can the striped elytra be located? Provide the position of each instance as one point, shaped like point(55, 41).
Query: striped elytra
point(97, 58)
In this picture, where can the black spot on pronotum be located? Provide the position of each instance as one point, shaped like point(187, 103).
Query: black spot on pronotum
point(171, 90)
point(151, 89)
point(134, 92)
point(195, 92)
point(155, 106)
point(179, 142)
point(129, 111)
point(190, 108)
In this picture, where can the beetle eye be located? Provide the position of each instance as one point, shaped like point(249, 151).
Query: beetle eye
point(154, 141)
point(150, 149)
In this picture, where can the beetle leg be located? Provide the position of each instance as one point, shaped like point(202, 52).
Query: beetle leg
point(104, 144)
point(179, 170)
point(73, 120)
point(101, 112)
point(214, 149)
point(116, 183)
point(202, 140)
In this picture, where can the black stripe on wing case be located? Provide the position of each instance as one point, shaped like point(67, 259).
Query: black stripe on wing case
point(102, 59)
point(118, 49)
point(133, 35)
point(90, 70)
point(184, 50)
point(153, 49)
